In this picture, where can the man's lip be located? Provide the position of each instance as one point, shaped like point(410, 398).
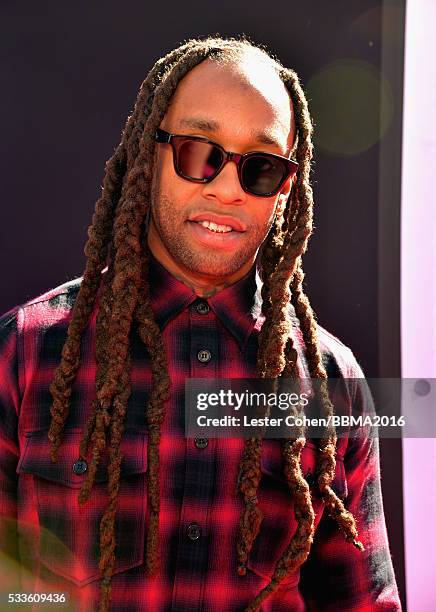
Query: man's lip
point(235, 224)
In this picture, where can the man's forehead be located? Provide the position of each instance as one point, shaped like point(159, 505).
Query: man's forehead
point(212, 96)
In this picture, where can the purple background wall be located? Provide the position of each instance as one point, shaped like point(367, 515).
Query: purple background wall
point(70, 74)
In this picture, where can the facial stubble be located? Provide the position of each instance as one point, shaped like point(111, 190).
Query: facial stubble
point(172, 226)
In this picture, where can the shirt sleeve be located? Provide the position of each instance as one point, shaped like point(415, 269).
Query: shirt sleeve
point(337, 576)
point(9, 451)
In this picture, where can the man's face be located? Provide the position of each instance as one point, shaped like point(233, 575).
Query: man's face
point(243, 108)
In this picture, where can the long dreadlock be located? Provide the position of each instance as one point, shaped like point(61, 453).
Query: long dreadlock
point(117, 240)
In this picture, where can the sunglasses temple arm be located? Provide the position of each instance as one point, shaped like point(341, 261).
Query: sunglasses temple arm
point(162, 136)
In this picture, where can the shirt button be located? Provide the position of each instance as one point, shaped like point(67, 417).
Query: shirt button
point(201, 442)
point(193, 532)
point(204, 356)
point(202, 308)
point(80, 467)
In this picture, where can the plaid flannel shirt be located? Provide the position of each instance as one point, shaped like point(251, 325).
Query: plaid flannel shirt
point(52, 542)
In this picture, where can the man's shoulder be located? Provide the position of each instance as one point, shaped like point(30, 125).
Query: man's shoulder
point(338, 358)
point(45, 309)
point(61, 295)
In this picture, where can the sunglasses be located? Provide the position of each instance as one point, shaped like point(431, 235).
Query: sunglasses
point(200, 160)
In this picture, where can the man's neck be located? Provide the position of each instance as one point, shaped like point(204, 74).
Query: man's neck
point(201, 285)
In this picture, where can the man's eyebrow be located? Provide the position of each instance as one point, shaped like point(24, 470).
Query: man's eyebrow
point(208, 125)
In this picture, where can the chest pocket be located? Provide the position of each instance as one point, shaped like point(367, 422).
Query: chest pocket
point(69, 532)
point(276, 502)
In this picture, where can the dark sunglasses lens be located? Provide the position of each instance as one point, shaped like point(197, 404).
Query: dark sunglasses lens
point(262, 174)
point(199, 160)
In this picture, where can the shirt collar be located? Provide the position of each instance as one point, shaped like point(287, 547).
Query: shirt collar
point(237, 306)
point(168, 295)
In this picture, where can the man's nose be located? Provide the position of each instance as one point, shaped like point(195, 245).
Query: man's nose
point(226, 186)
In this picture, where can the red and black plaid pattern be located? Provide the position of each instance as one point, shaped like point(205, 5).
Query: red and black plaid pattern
point(55, 541)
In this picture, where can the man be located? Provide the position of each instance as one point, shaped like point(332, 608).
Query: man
point(113, 506)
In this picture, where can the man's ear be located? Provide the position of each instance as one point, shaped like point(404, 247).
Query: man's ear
point(284, 197)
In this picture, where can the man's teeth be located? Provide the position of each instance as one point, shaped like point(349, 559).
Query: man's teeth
point(215, 227)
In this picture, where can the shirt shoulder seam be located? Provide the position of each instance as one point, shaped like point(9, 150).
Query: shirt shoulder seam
point(53, 293)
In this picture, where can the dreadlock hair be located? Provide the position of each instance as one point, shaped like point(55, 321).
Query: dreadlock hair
point(117, 240)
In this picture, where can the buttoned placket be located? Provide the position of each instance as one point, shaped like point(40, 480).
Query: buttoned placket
point(200, 466)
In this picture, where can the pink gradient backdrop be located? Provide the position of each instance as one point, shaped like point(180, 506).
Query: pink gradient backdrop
point(418, 293)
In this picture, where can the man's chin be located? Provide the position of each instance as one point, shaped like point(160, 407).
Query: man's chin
point(215, 268)
point(213, 272)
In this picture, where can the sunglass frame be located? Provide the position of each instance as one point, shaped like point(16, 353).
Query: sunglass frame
point(290, 166)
